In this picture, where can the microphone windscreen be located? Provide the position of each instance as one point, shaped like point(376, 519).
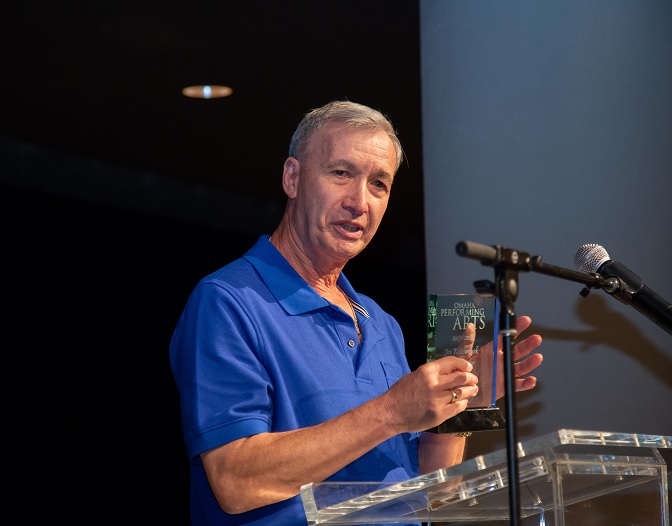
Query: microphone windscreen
point(590, 257)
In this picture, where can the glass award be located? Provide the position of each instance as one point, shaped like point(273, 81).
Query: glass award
point(447, 318)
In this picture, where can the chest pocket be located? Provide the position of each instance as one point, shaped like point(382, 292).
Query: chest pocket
point(392, 372)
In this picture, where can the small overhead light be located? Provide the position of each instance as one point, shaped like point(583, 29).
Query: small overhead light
point(207, 91)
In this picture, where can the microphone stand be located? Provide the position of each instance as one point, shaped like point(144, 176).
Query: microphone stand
point(506, 289)
point(507, 264)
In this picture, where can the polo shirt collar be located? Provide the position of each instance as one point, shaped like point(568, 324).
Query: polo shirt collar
point(288, 288)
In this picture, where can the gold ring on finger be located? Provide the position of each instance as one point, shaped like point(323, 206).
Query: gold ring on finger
point(455, 396)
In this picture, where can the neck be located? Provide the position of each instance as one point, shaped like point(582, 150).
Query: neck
point(320, 275)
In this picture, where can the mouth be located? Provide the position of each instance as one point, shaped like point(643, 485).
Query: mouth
point(351, 228)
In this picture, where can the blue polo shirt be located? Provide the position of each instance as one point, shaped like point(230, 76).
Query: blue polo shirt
point(257, 350)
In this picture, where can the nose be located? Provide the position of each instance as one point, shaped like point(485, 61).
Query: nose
point(356, 197)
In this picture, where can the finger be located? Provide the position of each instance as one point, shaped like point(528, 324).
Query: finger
point(466, 342)
point(450, 364)
point(522, 323)
point(526, 346)
point(528, 365)
point(462, 394)
point(461, 380)
point(525, 384)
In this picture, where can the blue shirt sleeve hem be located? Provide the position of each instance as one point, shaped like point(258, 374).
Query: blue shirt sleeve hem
point(223, 435)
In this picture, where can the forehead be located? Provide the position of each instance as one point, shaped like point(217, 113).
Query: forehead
point(336, 139)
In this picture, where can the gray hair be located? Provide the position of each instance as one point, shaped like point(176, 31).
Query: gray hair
point(350, 113)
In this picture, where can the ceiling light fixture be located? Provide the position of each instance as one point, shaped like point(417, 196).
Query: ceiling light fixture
point(207, 91)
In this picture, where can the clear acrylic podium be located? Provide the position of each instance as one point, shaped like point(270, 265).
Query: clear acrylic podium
point(566, 478)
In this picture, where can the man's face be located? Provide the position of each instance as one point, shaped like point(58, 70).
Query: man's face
point(342, 187)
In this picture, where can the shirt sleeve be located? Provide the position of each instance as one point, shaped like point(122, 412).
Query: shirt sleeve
point(225, 391)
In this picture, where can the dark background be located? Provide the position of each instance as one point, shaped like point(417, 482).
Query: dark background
point(117, 194)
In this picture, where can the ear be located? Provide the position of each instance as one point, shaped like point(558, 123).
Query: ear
point(290, 177)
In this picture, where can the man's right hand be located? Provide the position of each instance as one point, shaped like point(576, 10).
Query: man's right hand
point(424, 398)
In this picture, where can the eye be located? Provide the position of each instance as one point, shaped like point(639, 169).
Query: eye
point(340, 173)
point(381, 185)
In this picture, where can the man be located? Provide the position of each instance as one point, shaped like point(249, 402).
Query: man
point(286, 374)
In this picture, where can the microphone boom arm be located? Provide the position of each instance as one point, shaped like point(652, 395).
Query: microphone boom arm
point(498, 256)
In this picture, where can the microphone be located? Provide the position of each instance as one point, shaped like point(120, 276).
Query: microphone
point(627, 287)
